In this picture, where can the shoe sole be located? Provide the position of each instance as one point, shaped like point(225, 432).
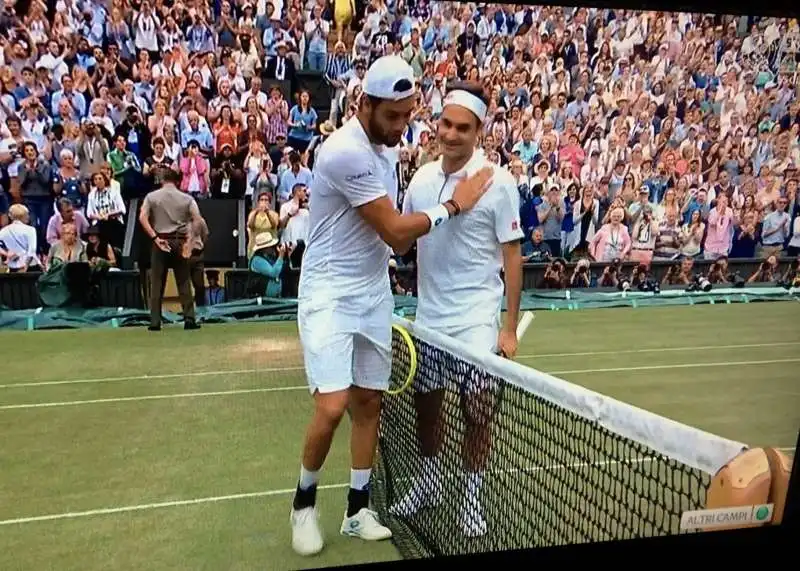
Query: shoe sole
point(347, 534)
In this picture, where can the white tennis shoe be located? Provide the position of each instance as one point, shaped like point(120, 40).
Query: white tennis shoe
point(365, 525)
point(418, 497)
point(306, 535)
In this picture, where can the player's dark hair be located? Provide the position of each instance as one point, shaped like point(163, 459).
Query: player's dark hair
point(171, 176)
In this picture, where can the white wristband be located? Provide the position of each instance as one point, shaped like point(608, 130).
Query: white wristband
point(437, 214)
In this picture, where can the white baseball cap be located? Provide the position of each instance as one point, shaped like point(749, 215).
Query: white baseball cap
point(389, 77)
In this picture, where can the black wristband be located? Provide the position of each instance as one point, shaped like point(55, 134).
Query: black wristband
point(154, 238)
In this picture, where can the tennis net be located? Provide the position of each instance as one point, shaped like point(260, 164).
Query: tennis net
point(566, 465)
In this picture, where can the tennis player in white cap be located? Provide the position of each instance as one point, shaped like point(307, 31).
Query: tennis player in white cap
point(460, 294)
point(345, 301)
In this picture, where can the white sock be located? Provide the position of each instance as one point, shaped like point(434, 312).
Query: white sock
point(430, 470)
point(359, 479)
point(308, 478)
point(474, 483)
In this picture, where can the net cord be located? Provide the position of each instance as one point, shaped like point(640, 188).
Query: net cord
point(691, 446)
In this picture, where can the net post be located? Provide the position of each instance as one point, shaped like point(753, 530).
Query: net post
point(756, 476)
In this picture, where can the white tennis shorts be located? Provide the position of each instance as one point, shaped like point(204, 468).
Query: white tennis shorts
point(481, 339)
point(343, 349)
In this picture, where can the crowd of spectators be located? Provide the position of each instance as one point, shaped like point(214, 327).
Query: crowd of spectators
point(633, 136)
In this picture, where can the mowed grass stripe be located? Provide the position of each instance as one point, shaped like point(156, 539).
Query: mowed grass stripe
point(29, 405)
point(295, 369)
point(291, 490)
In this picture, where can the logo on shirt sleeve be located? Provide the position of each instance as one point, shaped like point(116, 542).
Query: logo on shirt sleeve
point(359, 176)
point(515, 225)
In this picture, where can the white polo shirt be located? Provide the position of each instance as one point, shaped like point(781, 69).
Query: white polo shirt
point(346, 262)
point(459, 262)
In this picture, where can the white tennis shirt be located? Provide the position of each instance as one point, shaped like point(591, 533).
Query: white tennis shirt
point(459, 262)
point(345, 265)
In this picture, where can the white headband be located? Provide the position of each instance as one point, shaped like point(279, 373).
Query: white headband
point(468, 101)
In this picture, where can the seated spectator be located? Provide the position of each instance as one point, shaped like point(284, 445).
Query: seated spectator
point(18, 242)
point(266, 266)
point(68, 248)
point(65, 213)
point(215, 294)
point(98, 251)
point(536, 250)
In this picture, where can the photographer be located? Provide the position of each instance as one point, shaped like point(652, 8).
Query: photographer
point(227, 177)
point(265, 278)
point(555, 275)
point(612, 274)
point(680, 273)
point(766, 271)
point(581, 277)
point(639, 276)
point(718, 272)
point(791, 278)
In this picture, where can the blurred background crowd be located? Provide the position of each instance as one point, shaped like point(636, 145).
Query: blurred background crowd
point(633, 136)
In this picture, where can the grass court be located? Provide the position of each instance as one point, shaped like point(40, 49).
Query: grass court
point(178, 450)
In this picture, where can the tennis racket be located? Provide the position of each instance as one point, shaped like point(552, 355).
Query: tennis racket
point(404, 360)
point(524, 322)
point(481, 406)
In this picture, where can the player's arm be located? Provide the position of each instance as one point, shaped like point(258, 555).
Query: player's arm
point(508, 230)
point(366, 192)
point(400, 231)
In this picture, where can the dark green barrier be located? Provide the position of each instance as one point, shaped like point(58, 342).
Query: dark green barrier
point(266, 309)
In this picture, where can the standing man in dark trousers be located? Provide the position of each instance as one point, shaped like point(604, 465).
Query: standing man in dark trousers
point(196, 262)
point(168, 217)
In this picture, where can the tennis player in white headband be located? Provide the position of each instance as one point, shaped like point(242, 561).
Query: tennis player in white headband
point(461, 293)
point(345, 303)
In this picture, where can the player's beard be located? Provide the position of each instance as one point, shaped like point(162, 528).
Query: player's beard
point(382, 137)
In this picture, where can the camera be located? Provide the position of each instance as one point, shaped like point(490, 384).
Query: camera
point(699, 283)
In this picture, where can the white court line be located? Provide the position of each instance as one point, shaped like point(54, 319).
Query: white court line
point(676, 366)
point(286, 369)
point(280, 492)
point(305, 387)
point(149, 397)
point(661, 350)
